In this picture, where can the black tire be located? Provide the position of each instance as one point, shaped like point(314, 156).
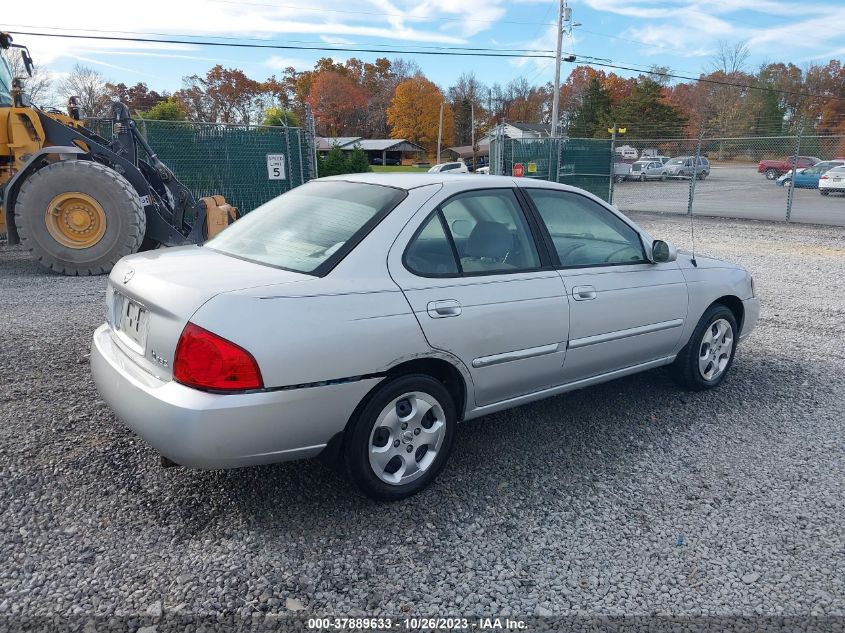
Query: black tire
point(824, 192)
point(356, 445)
point(772, 174)
point(685, 369)
point(663, 177)
point(125, 218)
point(642, 177)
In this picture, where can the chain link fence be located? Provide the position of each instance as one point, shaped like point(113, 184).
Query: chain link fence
point(249, 165)
point(583, 163)
point(743, 177)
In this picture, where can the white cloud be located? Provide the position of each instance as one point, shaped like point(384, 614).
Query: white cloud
point(401, 22)
point(279, 63)
point(694, 28)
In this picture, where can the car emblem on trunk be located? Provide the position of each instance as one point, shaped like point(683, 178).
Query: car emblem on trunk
point(129, 274)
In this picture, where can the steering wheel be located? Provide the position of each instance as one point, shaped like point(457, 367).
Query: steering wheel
point(609, 258)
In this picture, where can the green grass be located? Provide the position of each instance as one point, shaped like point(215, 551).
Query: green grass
point(402, 168)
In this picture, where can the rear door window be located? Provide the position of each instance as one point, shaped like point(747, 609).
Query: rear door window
point(490, 232)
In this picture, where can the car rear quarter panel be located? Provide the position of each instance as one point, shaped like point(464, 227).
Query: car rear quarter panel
point(307, 339)
point(355, 321)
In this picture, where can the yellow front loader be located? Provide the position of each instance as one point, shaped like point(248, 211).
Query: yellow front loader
point(80, 202)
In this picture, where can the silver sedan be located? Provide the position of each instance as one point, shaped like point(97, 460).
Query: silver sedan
point(363, 317)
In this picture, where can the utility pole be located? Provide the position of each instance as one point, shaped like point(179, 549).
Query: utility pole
point(472, 130)
point(440, 133)
point(564, 17)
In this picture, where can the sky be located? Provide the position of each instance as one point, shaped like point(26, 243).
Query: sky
point(680, 34)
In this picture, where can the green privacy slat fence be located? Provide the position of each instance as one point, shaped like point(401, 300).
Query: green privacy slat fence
point(583, 163)
point(230, 160)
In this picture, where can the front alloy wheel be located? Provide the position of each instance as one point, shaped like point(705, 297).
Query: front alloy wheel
point(715, 350)
point(706, 359)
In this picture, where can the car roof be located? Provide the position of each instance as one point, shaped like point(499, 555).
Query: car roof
point(421, 179)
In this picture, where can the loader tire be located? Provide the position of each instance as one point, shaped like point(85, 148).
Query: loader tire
point(79, 217)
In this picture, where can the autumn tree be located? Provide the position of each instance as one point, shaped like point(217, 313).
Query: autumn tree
point(226, 95)
point(335, 100)
point(647, 114)
point(137, 98)
point(414, 113)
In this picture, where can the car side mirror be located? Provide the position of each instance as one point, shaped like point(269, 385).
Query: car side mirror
point(662, 252)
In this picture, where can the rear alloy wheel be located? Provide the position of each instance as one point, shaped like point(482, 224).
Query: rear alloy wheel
point(642, 177)
point(663, 176)
point(705, 361)
point(401, 439)
point(79, 217)
point(771, 174)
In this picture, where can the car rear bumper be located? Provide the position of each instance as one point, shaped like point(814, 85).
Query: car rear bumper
point(751, 314)
point(203, 430)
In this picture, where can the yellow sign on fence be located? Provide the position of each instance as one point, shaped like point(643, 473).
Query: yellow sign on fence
point(532, 168)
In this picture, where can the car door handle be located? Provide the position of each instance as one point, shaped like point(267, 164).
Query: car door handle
point(444, 308)
point(584, 293)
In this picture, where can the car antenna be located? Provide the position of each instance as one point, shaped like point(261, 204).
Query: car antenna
point(692, 182)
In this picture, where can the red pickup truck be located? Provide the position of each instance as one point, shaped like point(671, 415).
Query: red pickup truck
point(776, 168)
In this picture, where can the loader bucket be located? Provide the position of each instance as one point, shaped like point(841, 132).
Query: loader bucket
point(219, 214)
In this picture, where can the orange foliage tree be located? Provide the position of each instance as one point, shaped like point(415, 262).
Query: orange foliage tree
point(337, 102)
point(414, 113)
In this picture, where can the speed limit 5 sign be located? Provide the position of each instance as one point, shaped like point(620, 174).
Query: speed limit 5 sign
point(276, 166)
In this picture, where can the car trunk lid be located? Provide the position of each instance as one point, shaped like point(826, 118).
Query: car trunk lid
point(152, 295)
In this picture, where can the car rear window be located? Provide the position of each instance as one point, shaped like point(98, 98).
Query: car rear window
point(308, 229)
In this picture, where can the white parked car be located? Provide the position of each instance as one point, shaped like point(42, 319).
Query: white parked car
point(485, 171)
point(832, 181)
point(453, 168)
point(364, 316)
point(627, 152)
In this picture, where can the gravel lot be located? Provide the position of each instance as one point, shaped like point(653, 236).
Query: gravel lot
point(632, 497)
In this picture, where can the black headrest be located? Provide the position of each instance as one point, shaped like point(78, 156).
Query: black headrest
point(489, 239)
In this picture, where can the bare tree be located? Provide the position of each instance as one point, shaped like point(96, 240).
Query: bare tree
point(402, 69)
point(659, 74)
point(731, 58)
point(37, 86)
point(90, 87)
point(725, 111)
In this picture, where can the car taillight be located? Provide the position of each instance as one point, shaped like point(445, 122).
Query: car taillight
point(206, 361)
point(822, 177)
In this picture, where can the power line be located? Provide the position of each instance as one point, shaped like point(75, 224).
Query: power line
point(80, 33)
point(458, 52)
